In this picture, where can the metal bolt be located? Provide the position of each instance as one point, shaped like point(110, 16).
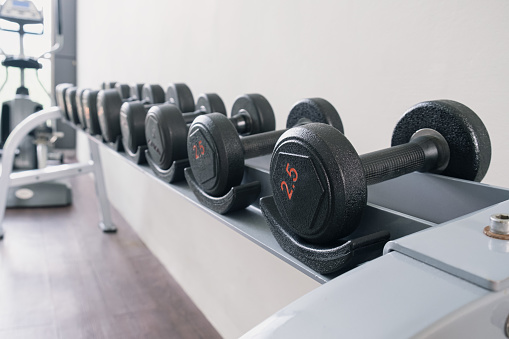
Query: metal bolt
point(499, 223)
point(499, 226)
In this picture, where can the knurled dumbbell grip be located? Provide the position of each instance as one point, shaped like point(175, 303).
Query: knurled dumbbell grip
point(260, 144)
point(393, 162)
point(190, 116)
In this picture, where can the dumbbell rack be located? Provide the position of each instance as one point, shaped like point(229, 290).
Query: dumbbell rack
point(401, 206)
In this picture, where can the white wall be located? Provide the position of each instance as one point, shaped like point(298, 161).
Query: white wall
point(372, 59)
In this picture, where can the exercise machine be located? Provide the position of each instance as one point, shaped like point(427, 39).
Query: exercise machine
point(34, 150)
point(9, 179)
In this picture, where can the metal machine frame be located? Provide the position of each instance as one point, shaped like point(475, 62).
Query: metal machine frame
point(10, 179)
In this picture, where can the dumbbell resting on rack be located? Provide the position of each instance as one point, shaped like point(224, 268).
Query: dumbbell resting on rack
point(319, 183)
point(109, 102)
point(133, 116)
point(61, 99)
point(217, 167)
point(166, 130)
point(70, 99)
point(89, 102)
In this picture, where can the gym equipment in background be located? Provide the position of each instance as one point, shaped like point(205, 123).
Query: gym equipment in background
point(32, 151)
point(89, 104)
point(17, 109)
point(40, 177)
point(319, 183)
point(217, 152)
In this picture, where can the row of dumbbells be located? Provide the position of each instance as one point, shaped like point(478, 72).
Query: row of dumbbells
point(319, 182)
point(172, 132)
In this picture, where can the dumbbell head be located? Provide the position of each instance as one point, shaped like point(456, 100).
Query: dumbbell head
point(165, 133)
point(108, 85)
point(181, 96)
point(258, 111)
point(314, 110)
point(89, 101)
point(465, 133)
point(136, 91)
point(124, 90)
point(79, 106)
point(153, 94)
point(72, 108)
point(210, 103)
point(164, 126)
point(216, 152)
point(166, 129)
point(132, 124)
point(319, 181)
point(60, 90)
point(108, 111)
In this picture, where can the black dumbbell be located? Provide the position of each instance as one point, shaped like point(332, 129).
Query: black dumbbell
point(126, 91)
point(109, 102)
point(89, 102)
point(137, 91)
point(319, 182)
point(108, 85)
point(60, 97)
point(79, 106)
point(217, 153)
point(133, 114)
point(70, 100)
point(166, 126)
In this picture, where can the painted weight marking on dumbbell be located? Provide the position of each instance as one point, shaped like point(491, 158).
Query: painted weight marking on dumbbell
point(199, 147)
point(204, 156)
point(284, 184)
point(303, 202)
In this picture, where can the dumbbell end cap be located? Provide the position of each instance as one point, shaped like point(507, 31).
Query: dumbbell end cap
point(215, 153)
point(465, 133)
point(318, 182)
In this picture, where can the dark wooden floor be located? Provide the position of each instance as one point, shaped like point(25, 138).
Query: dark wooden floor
point(61, 277)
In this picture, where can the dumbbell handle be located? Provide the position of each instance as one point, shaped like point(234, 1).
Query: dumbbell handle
point(260, 144)
point(241, 122)
point(425, 152)
point(190, 116)
point(263, 143)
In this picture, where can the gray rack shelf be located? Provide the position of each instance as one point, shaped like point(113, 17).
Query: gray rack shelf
point(402, 206)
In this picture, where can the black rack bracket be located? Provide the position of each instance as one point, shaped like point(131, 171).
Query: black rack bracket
point(171, 175)
point(341, 255)
point(238, 197)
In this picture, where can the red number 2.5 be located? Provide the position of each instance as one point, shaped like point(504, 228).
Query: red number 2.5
point(292, 173)
point(198, 150)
